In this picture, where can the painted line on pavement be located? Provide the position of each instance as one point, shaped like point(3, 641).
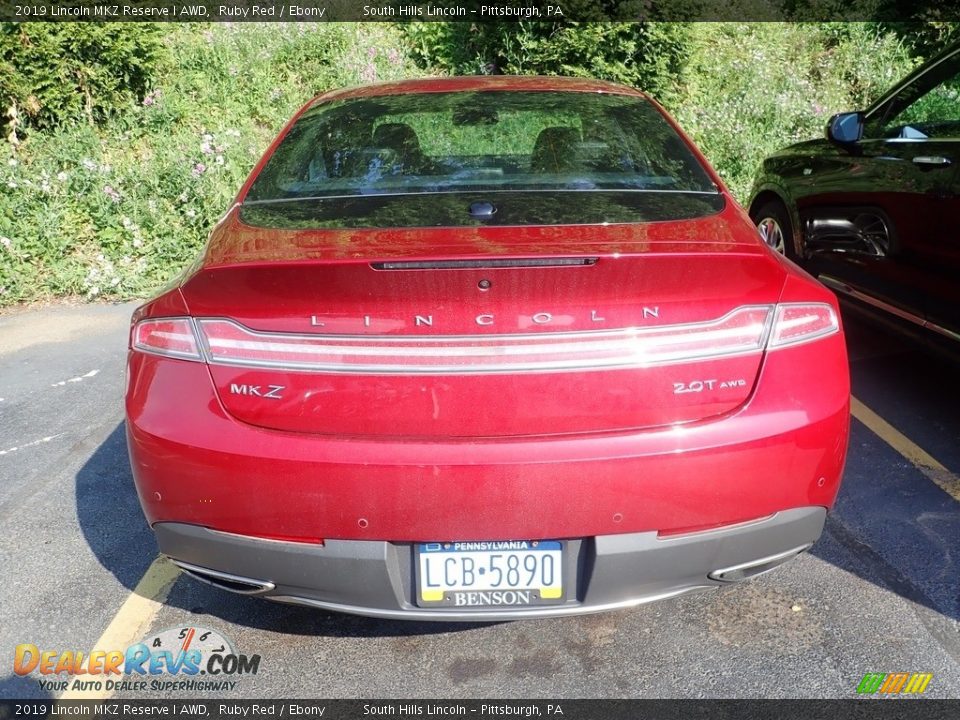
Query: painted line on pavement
point(34, 443)
point(79, 378)
point(133, 619)
point(924, 461)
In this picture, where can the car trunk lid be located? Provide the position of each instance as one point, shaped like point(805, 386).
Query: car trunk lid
point(493, 336)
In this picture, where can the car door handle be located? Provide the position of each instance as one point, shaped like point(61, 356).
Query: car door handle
point(932, 160)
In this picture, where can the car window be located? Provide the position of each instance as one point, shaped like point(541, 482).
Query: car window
point(928, 108)
point(470, 141)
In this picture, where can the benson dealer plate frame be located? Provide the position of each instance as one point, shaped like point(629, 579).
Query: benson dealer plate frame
point(517, 573)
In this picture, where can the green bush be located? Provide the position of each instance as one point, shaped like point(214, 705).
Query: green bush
point(116, 210)
point(53, 73)
point(925, 39)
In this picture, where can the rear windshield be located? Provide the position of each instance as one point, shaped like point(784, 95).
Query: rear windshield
point(489, 145)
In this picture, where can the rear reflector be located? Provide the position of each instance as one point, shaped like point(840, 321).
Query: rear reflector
point(742, 331)
point(167, 336)
point(802, 322)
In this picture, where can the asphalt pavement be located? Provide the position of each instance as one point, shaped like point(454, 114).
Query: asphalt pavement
point(880, 592)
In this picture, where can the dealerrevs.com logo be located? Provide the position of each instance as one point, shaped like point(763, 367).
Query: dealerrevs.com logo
point(189, 659)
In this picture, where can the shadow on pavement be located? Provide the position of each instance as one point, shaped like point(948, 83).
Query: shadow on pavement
point(109, 512)
point(22, 687)
point(295, 620)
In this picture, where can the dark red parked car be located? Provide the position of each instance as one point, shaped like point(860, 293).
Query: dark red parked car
point(873, 209)
point(485, 348)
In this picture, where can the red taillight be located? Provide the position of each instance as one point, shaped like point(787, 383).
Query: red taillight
point(801, 322)
point(167, 336)
point(744, 330)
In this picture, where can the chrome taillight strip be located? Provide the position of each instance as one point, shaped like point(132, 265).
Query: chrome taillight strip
point(746, 330)
point(226, 342)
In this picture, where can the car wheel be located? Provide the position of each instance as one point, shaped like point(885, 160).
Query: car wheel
point(875, 233)
point(774, 225)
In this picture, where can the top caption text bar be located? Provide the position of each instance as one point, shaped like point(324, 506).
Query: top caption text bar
point(477, 11)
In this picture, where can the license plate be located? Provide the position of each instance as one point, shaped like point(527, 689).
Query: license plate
point(478, 574)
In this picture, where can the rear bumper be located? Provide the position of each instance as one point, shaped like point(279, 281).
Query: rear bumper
point(376, 578)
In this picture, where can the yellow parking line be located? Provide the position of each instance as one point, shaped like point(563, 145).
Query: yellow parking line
point(926, 463)
point(132, 620)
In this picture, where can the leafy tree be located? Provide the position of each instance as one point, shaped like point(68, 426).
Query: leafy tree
point(646, 55)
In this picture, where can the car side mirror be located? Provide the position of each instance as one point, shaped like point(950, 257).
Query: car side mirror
point(845, 128)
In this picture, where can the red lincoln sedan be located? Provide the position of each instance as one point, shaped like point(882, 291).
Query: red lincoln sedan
point(485, 348)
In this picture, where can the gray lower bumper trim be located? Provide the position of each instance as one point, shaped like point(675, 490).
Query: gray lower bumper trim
point(491, 614)
point(377, 579)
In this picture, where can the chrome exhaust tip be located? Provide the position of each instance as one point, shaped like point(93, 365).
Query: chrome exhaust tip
point(753, 568)
point(225, 581)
